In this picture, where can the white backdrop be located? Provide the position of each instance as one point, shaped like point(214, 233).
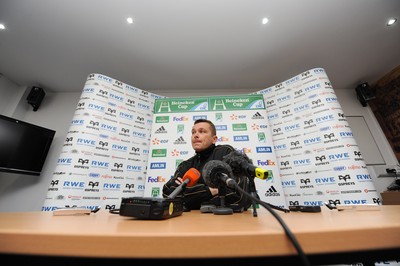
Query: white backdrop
point(318, 156)
point(313, 157)
point(104, 157)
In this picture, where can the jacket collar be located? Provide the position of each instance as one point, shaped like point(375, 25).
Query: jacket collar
point(207, 152)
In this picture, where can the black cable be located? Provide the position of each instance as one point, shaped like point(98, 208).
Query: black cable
point(114, 211)
point(291, 236)
point(270, 208)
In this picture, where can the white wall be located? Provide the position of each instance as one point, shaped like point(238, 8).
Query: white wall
point(11, 94)
point(27, 193)
point(352, 107)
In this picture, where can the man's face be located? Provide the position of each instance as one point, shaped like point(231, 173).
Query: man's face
point(202, 136)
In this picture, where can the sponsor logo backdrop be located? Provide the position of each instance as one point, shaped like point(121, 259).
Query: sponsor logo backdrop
point(318, 157)
point(104, 157)
point(125, 142)
point(241, 121)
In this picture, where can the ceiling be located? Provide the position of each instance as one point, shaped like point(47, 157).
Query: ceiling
point(208, 46)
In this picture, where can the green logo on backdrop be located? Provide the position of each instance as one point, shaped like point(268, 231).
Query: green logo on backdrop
point(222, 103)
point(159, 153)
point(270, 175)
point(179, 105)
point(261, 136)
point(155, 191)
point(180, 129)
point(237, 102)
point(218, 104)
point(239, 127)
point(218, 117)
point(162, 119)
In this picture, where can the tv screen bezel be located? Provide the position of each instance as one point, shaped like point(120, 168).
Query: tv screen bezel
point(45, 149)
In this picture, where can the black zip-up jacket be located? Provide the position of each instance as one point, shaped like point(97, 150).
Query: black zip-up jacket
point(200, 193)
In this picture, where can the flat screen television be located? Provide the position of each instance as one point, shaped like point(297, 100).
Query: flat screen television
point(23, 146)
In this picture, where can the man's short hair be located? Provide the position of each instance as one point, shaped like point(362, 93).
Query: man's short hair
point(213, 129)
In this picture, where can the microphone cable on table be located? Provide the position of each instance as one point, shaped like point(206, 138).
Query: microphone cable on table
point(217, 173)
point(114, 211)
point(270, 208)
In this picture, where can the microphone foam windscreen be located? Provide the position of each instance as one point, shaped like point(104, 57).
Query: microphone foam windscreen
point(212, 170)
point(236, 160)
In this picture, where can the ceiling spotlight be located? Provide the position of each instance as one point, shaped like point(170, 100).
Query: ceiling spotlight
point(391, 21)
point(129, 20)
point(2, 27)
point(264, 21)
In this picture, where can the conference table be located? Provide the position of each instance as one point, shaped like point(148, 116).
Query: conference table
point(105, 238)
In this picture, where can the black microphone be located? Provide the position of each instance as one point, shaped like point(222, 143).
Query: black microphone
point(189, 179)
point(241, 164)
point(216, 172)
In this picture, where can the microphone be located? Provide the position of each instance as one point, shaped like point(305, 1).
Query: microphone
point(216, 172)
point(189, 179)
point(241, 164)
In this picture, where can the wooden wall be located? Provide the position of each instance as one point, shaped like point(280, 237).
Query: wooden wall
point(386, 107)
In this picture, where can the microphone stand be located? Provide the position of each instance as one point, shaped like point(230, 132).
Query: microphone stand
point(253, 192)
point(222, 209)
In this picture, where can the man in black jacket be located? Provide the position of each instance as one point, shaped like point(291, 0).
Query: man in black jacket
point(203, 140)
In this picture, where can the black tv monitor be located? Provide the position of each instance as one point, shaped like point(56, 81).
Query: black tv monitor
point(23, 146)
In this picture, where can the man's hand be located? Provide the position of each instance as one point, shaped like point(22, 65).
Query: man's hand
point(214, 191)
point(178, 180)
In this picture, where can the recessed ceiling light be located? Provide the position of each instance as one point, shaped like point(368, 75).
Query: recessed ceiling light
point(130, 20)
point(2, 27)
point(265, 21)
point(391, 21)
